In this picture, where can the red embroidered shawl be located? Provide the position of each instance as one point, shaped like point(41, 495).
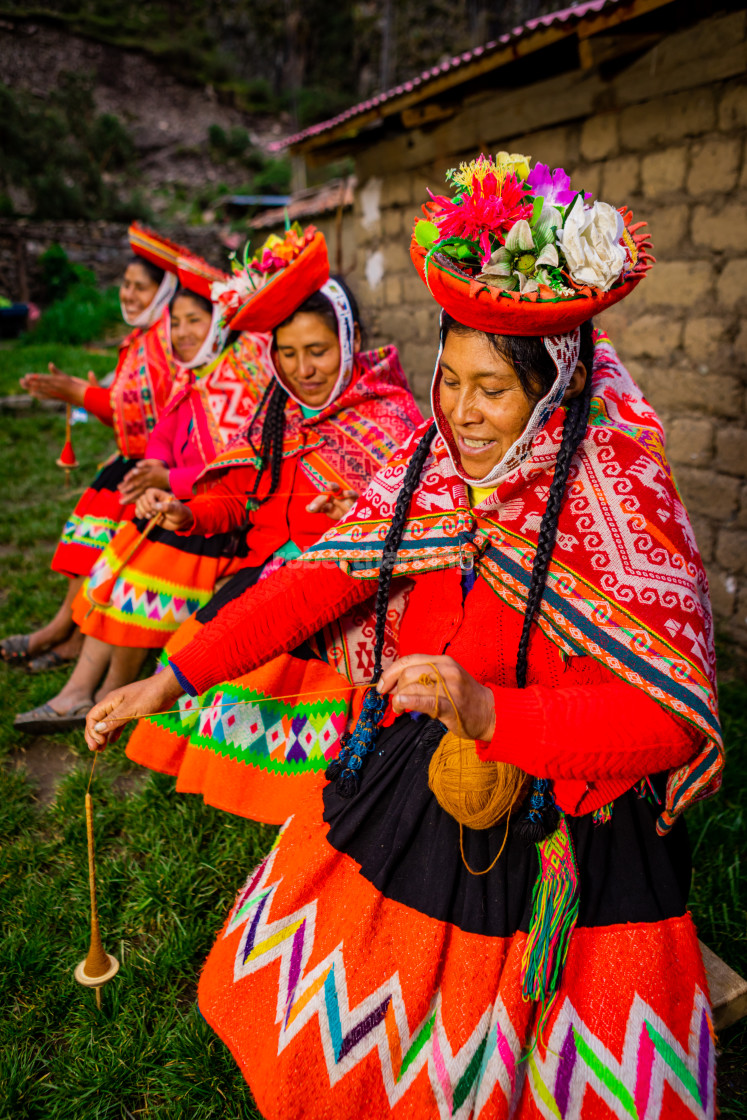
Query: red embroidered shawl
point(626, 584)
point(142, 384)
point(224, 394)
point(351, 439)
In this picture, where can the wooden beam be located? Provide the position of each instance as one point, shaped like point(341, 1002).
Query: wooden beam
point(728, 990)
point(596, 50)
point(426, 114)
point(592, 25)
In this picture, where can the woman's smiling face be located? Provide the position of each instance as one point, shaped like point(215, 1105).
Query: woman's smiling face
point(309, 357)
point(482, 401)
point(137, 290)
point(190, 323)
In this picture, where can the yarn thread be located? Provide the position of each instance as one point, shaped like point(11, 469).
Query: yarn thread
point(476, 793)
point(555, 902)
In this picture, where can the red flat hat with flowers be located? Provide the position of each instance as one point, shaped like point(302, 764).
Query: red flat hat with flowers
point(267, 288)
point(198, 276)
point(156, 248)
point(520, 252)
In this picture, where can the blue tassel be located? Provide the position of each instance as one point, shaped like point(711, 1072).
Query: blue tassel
point(346, 768)
point(336, 766)
point(542, 816)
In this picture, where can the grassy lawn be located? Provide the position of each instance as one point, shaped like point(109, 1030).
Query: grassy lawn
point(17, 360)
point(168, 866)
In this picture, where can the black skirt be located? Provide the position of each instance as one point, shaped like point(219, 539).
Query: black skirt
point(408, 848)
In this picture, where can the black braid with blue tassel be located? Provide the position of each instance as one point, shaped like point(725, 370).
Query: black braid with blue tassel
point(541, 818)
point(356, 745)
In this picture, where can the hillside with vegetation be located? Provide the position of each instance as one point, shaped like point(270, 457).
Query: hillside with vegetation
point(121, 110)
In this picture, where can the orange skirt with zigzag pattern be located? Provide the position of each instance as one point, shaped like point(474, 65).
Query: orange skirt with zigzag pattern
point(141, 590)
point(363, 972)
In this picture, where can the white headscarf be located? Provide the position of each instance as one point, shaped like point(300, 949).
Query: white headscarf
point(337, 296)
point(564, 351)
point(157, 305)
point(213, 344)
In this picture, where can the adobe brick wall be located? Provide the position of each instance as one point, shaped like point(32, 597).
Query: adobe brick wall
point(667, 137)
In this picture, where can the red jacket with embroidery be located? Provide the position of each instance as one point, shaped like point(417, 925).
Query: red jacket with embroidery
point(345, 443)
point(575, 722)
point(281, 518)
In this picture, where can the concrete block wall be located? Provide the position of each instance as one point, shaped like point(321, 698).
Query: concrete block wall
point(667, 138)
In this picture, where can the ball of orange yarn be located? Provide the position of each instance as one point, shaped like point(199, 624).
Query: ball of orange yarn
point(476, 793)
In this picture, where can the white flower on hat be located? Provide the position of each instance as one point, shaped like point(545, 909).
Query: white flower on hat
point(591, 242)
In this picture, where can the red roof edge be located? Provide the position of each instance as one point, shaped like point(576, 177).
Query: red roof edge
point(572, 15)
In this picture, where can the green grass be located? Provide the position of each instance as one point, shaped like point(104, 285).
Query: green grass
point(168, 869)
point(169, 866)
point(34, 357)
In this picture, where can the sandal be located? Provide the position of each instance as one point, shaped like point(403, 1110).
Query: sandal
point(15, 649)
point(48, 660)
point(44, 720)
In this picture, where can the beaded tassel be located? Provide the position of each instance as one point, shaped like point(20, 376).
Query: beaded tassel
point(602, 815)
point(356, 745)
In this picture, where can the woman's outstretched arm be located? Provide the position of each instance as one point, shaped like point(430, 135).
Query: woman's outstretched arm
point(270, 618)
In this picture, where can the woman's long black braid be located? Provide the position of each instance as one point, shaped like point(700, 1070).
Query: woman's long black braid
point(356, 745)
point(542, 814)
point(273, 431)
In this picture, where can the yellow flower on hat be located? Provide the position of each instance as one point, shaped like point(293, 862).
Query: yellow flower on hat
point(477, 170)
point(514, 164)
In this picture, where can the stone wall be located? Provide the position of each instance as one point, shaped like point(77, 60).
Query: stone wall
point(101, 246)
point(665, 135)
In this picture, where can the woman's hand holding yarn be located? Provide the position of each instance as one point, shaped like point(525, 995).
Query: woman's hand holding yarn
point(176, 516)
point(105, 720)
point(414, 687)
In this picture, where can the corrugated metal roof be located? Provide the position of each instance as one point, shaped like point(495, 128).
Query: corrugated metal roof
point(386, 102)
point(314, 200)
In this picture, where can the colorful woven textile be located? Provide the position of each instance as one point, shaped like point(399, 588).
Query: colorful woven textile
point(142, 385)
point(170, 577)
point(144, 365)
point(337, 1001)
point(249, 752)
point(351, 438)
point(252, 746)
point(224, 394)
point(226, 756)
point(626, 584)
point(94, 520)
point(164, 582)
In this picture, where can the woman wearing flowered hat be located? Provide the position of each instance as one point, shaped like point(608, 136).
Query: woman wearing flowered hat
point(142, 383)
point(484, 914)
point(145, 584)
point(333, 416)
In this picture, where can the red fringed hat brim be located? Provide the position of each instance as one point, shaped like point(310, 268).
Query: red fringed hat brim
point(156, 248)
point(286, 290)
point(198, 276)
point(485, 308)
